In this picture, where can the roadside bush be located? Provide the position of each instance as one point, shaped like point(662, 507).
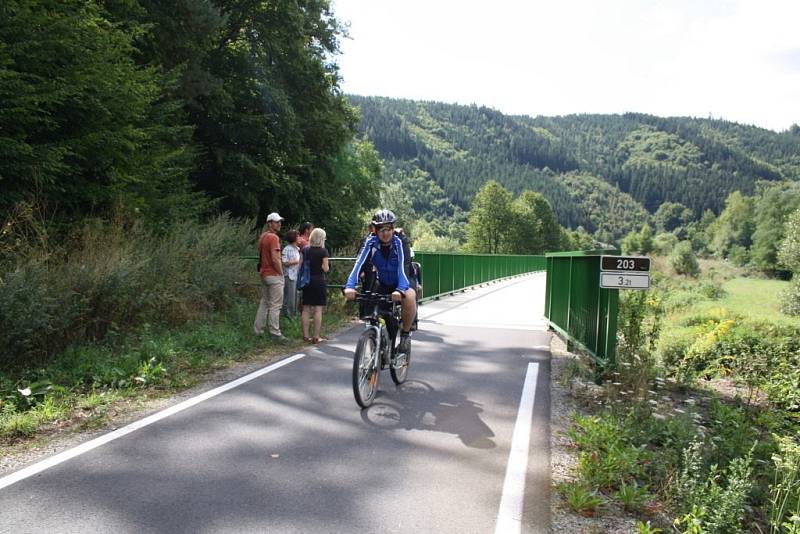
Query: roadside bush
point(664, 242)
point(672, 347)
point(682, 299)
point(790, 299)
point(713, 501)
point(739, 255)
point(717, 343)
point(113, 278)
point(782, 385)
point(608, 469)
point(639, 325)
point(711, 290)
point(789, 256)
point(710, 317)
point(621, 450)
point(683, 260)
point(736, 432)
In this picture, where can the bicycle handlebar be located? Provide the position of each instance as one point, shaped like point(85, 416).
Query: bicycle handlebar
point(371, 296)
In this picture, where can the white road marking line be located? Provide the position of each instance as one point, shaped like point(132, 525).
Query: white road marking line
point(149, 420)
point(509, 518)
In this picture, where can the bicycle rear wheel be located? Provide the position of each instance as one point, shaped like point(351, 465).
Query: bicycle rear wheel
point(366, 368)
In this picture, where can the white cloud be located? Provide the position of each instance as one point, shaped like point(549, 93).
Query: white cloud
point(737, 60)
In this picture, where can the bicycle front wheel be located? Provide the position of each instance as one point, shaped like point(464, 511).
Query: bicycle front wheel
point(366, 368)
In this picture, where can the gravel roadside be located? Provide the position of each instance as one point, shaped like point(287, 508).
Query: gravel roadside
point(564, 456)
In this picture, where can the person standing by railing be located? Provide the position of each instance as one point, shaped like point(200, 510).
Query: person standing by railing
point(271, 271)
point(315, 294)
point(290, 257)
point(303, 234)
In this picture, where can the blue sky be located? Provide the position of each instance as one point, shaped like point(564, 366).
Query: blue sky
point(738, 60)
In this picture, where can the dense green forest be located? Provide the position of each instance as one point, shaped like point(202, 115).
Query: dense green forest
point(167, 110)
point(605, 173)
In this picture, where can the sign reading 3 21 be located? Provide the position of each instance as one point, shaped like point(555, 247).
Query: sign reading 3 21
point(625, 272)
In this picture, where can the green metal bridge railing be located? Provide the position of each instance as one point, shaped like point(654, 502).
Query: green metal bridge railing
point(444, 273)
point(578, 308)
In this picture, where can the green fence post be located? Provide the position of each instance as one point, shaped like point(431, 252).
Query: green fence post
point(569, 297)
point(578, 308)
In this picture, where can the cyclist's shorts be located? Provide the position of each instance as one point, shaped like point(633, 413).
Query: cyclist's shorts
point(387, 290)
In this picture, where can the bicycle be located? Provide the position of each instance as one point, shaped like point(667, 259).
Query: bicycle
point(377, 347)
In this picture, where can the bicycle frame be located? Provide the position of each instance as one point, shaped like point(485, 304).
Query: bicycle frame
point(383, 322)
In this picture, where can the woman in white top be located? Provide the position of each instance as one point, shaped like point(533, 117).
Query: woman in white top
point(290, 257)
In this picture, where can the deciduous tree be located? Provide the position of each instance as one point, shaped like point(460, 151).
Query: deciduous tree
point(533, 229)
point(734, 226)
point(489, 219)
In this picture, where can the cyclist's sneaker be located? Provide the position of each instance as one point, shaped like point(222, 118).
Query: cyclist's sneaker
point(404, 347)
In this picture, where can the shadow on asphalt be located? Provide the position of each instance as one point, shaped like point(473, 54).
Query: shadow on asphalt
point(347, 343)
point(418, 406)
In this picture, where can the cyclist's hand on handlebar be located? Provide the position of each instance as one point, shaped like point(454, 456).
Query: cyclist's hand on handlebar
point(397, 296)
point(349, 293)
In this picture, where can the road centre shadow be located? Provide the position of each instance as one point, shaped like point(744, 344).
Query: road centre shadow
point(418, 406)
point(330, 349)
point(343, 346)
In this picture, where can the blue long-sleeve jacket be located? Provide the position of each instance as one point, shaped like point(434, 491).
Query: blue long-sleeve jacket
point(391, 271)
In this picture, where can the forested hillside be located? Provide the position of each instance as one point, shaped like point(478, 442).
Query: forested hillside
point(602, 172)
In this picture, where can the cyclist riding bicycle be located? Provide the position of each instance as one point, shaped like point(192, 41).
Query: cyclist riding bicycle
point(392, 264)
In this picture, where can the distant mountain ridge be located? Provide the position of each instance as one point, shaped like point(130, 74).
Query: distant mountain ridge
point(606, 173)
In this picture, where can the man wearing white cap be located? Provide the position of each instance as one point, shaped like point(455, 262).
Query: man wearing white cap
point(271, 271)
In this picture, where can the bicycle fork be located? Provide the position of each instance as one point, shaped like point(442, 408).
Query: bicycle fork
point(380, 344)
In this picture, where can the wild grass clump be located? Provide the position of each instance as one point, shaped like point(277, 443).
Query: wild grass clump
point(108, 278)
point(581, 498)
point(784, 498)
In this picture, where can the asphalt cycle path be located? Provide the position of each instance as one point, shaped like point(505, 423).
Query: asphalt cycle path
point(461, 447)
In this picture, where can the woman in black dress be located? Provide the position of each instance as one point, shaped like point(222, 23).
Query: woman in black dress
point(315, 294)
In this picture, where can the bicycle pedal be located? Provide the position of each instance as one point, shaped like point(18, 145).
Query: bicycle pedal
point(399, 361)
